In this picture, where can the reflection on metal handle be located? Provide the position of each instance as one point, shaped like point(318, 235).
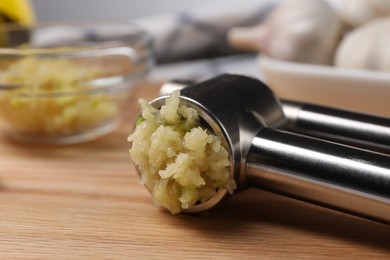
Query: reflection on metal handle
point(328, 174)
point(367, 131)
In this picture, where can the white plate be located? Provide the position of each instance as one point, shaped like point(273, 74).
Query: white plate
point(358, 90)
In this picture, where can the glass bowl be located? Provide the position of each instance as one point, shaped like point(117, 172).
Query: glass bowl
point(63, 83)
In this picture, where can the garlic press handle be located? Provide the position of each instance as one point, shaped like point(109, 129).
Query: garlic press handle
point(356, 129)
point(336, 176)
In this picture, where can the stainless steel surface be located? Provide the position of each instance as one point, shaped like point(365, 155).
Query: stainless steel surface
point(243, 111)
point(340, 177)
point(366, 131)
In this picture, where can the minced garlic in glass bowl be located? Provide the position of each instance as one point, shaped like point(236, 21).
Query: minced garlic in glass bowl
point(51, 116)
point(179, 162)
point(64, 86)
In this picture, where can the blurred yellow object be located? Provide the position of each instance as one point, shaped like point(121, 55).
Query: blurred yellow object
point(16, 11)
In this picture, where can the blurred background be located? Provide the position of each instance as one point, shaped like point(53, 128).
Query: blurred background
point(267, 39)
point(113, 10)
point(174, 25)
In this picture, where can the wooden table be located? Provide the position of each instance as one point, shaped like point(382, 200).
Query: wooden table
point(85, 201)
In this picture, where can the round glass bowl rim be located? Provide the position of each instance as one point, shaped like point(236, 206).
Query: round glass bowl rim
point(138, 35)
point(113, 83)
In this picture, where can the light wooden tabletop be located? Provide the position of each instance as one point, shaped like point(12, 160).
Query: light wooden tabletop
point(85, 202)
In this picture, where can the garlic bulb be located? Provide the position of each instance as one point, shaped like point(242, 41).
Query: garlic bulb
point(297, 30)
point(357, 12)
point(366, 47)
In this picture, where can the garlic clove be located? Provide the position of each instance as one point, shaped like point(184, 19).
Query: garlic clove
point(366, 47)
point(297, 30)
point(358, 12)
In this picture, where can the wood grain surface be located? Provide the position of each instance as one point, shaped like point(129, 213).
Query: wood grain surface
point(85, 202)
